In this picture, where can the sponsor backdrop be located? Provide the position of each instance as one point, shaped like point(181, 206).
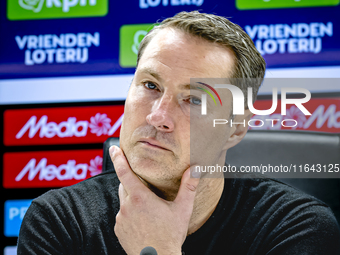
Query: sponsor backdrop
point(58, 58)
point(45, 146)
point(47, 38)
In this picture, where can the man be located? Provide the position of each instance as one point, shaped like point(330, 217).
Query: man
point(157, 203)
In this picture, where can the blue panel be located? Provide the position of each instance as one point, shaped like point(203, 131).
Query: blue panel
point(290, 37)
point(14, 213)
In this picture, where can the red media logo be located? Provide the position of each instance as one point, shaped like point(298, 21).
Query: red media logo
point(50, 168)
point(64, 125)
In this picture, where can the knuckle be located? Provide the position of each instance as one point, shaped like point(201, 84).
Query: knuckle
point(190, 187)
point(122, 211)
point(119, 220)
point(118, 217)
point(136, 199)
point(116, 230)
point(120, 189)
point(121, 171)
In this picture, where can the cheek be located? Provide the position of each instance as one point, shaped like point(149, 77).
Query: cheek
point(206, 141)
point(135, 112)
point(183, 140)
point(137, 105)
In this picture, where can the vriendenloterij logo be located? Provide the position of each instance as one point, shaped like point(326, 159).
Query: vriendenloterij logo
point(55, 9)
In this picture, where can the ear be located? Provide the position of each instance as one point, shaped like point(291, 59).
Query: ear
point(239, 128)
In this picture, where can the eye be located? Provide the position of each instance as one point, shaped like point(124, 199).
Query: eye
point(150, 85)
point(195, 100)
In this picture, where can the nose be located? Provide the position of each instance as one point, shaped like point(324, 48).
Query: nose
point(161, 116)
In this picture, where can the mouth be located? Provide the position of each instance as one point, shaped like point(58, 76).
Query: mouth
point(152, 143)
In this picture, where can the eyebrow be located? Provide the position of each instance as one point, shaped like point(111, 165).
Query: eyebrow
point(191, 86)
point(148, 70)
point(156, 75)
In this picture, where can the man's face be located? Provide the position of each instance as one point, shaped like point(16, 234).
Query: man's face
point(155, 134)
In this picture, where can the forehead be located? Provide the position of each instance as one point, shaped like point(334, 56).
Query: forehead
point(178, 53)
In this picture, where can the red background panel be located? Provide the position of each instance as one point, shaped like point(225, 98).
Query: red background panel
point(43, 169)
point(62, 125)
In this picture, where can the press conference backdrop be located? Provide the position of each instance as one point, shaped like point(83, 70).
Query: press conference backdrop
point(66, 66)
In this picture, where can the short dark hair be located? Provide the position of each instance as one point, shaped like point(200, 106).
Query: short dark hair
point(250, 65)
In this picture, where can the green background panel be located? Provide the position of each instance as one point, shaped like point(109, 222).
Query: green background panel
point(129, 38)
point(275, 4)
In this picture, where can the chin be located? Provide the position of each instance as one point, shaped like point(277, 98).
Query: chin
point(155, 171)
point(164, 186)
point(156, 168)
point(148, 168)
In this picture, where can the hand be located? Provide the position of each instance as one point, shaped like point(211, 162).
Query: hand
point(144, 219)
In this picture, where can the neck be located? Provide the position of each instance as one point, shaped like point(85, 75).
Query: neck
point(209, 192)
point(208, 195)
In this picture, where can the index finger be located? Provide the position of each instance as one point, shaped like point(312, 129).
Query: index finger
point(127, 177)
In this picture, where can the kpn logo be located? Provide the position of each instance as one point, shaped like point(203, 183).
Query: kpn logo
point(55, 9)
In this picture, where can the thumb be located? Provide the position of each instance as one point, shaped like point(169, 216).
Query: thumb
point(187, 191)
